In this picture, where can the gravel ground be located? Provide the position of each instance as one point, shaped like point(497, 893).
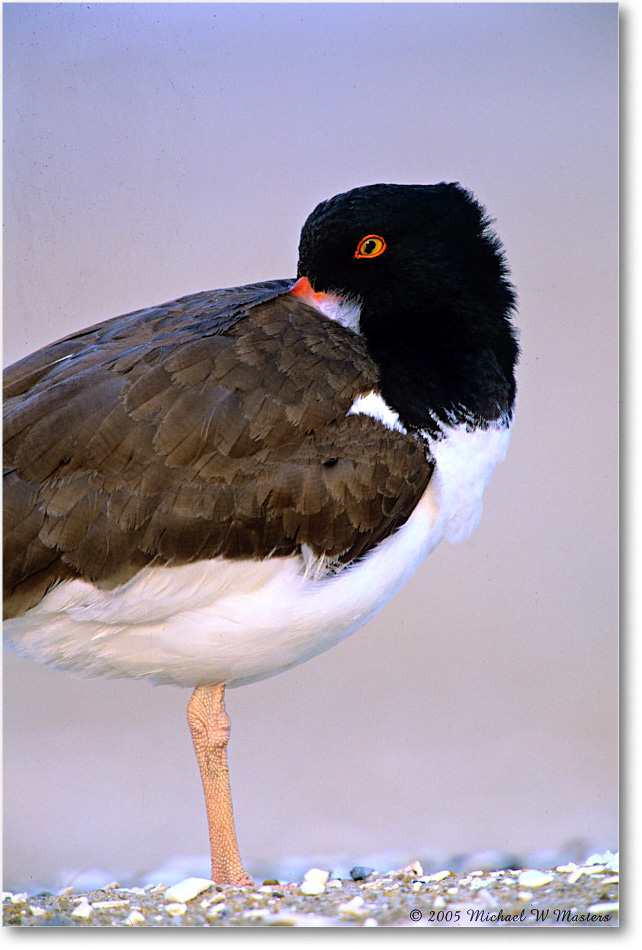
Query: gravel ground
point(569, 895)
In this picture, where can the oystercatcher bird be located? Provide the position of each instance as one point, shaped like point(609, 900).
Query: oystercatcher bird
point(213, 490)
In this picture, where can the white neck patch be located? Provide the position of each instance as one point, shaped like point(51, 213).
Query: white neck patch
point(372, 404)
point(345, 312)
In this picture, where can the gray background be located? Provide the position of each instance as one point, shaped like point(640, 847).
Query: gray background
point(153, 151)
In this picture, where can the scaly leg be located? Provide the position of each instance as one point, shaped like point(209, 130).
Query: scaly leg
point(210, 729)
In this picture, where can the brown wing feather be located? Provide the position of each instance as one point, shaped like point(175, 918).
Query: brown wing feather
point(172, 438)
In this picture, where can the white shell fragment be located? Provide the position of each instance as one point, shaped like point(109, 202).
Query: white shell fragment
point(608, 859)
point(436, 877)
point(534, 878)
point(578, 872)
point(188, 889)
point(83, 910)
point(288, 918)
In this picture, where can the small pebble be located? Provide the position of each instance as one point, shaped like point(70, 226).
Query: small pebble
point(480, 882)
point(312, 887)
point(292, 919)
point(216, 910)
point(104, 904)
point(439, 903)
point(370, 922)
point(176, 909)
point(282, 920)
point(217, 899)
point(353, 908)
point(135, 919)
point(359, 873)
point(534, 878)
point(316, 876)
point(188, 889)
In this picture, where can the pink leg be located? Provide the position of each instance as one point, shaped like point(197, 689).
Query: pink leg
point(210, 729)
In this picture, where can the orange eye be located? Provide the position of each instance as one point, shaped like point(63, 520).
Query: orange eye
point(370, 246)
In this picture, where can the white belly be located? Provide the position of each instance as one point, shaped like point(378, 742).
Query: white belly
point(219, 621)
point(237, 622)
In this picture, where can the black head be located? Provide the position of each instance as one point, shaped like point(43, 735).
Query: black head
point(429, 273)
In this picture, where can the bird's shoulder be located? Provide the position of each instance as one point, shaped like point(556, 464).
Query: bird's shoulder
point(212, 311)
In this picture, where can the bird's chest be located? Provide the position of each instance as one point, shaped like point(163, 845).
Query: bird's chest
point(465, 459)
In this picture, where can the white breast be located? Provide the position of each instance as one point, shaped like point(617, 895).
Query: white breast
point(464, 462)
